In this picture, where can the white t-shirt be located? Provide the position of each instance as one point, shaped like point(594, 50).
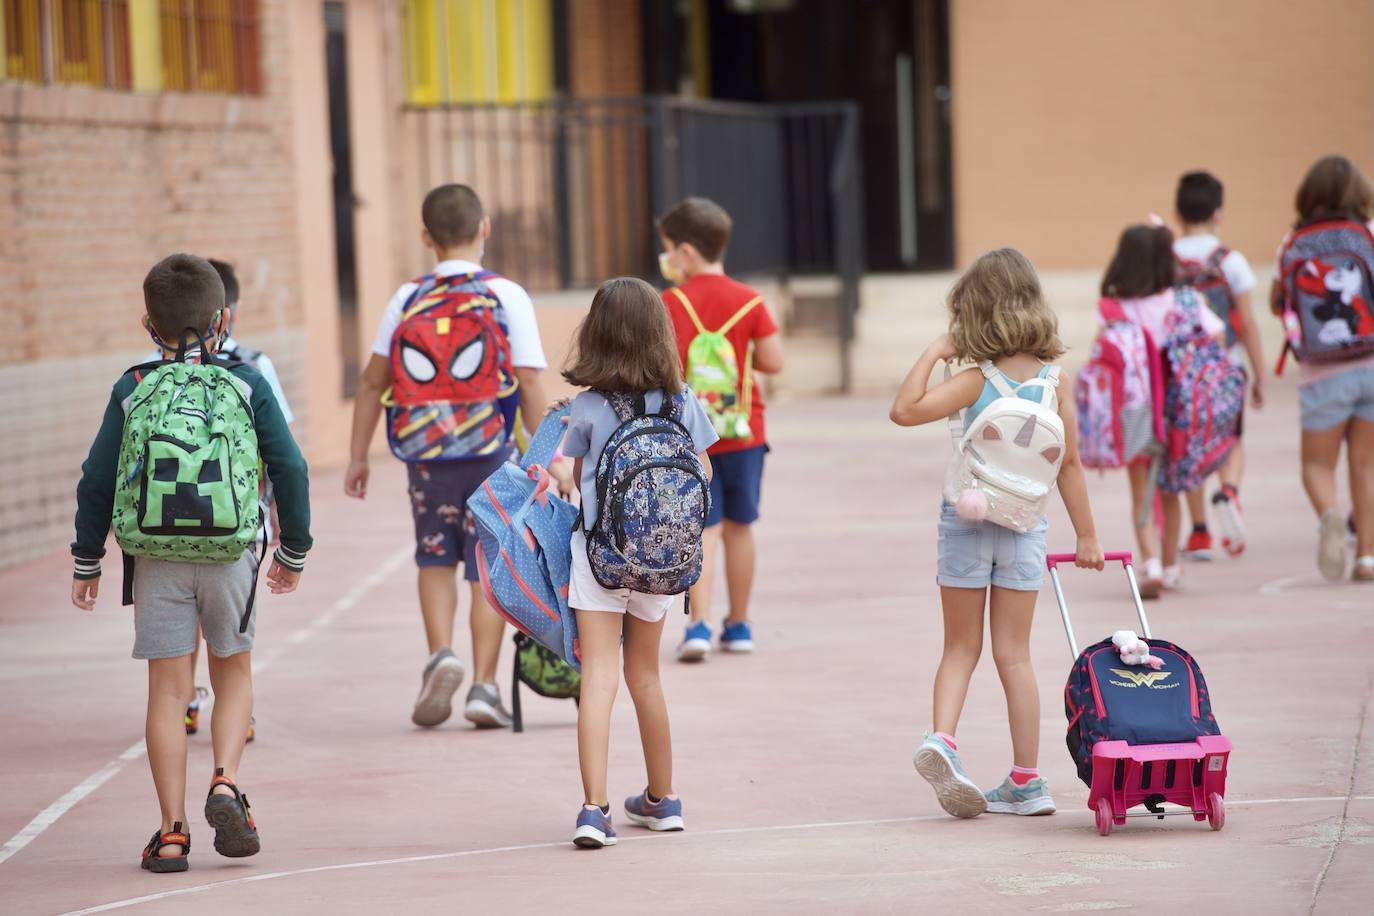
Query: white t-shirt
point(527, 352)
point(1237, 270)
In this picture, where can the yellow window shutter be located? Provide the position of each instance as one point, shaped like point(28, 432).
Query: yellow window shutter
point(420, 36)
point(145, 40)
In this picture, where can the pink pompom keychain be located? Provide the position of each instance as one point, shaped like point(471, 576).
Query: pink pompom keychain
point(972, 505)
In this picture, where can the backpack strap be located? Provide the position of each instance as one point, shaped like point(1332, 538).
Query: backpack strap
point(546, 438)
point(739, 316)
point(1219, 254)
point(996, 378)
point(687, 306)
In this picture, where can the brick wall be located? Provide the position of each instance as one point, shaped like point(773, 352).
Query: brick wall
point(95, 187)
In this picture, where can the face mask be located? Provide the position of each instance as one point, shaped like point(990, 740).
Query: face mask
point(670, 273)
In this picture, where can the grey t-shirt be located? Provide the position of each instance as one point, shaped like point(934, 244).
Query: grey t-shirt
point(591, 422)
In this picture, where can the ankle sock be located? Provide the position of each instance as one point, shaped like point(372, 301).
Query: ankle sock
point(948, 740)
point(650, 797)
point(1200, 529)
point(1022, 775)
point(604, 809)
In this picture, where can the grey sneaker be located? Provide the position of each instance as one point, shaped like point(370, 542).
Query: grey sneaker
point(484, 707)
point(941, 767)
point(441, 680)
point(1009, 798)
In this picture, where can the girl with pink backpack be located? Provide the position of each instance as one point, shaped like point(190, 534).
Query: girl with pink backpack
point(1015, 439)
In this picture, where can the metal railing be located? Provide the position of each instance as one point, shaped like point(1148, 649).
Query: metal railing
point(573, 186)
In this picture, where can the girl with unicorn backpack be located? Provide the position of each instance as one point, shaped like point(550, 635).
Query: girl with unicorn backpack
point(1015, 439)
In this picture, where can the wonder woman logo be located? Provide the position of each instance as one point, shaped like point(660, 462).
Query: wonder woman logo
point(1142, 679)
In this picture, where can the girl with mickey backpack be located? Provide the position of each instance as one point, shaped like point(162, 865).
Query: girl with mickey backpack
point(639, 438)
point(1015, 439)
point(1323, 290)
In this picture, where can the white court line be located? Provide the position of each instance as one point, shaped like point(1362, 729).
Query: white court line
point(728, 831)
point(49, 815)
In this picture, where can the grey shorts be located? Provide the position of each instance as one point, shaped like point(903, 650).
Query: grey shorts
point(171, 598)
point(979, 554)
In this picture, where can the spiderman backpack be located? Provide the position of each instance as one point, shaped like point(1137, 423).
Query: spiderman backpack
point(453, 387)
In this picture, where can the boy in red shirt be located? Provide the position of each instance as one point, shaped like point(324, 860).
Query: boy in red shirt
point(702, 303)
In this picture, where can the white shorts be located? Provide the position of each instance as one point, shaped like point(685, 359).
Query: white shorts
point(586, 594)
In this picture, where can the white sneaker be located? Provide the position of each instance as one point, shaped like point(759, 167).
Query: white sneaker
point(1172, 577)
point(1152, 582)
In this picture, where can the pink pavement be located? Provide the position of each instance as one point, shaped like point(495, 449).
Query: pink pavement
point(794, 764)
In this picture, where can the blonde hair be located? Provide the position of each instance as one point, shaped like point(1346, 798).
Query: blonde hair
point(996, 309)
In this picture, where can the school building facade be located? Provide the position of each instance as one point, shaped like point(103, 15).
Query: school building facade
point(295, 137)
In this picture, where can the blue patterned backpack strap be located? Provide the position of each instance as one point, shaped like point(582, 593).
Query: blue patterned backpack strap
point(545, 441)
point(626, 406)
point(674, 406)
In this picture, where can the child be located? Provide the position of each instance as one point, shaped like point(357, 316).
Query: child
point(455, 230)
point(1225, 278)
point(624, 346)
point(231, 349)
point(704, 302)
point(1141, 275)
point(1337, 397)
point(997, 314)
point(174, 597)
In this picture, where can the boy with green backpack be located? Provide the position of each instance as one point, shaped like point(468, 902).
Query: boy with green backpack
point(174, 469)
point(725, 335)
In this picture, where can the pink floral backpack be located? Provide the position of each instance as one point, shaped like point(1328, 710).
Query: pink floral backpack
point(1119, 393)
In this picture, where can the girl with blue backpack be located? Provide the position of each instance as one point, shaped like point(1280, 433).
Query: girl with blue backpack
point(1015, 439)
point(639, 440)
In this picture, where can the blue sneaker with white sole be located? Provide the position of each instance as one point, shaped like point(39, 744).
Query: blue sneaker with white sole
point(696, 642)
point(594, 829)
point(737, 637)
point(939, 764)
point(664, 814)
point(1009, 798)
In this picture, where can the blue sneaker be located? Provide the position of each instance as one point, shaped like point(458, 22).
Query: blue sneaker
point(696, 642)
point(594, 829)
point(940, 766)
point(1009, 798)
point(666, 814)
point(737, 637)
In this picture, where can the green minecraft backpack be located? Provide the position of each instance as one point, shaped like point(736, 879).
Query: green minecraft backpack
point(713, 372)
point(187, 480)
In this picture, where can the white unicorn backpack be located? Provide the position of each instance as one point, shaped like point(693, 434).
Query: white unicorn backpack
point(1005, 465)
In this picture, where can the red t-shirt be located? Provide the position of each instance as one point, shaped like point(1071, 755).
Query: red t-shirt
point(716, 298)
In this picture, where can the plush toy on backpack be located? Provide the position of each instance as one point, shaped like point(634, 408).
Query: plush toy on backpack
point(454, 393)
point(714, 373)
point(1203, 398)
point(1327, 269)
point(1006, 464)
point(1119, 393)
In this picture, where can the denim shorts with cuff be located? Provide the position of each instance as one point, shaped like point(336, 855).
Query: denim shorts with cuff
point(979, 554)
point(1335, 399)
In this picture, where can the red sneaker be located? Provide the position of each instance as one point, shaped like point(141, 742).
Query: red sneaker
point(1199, 546)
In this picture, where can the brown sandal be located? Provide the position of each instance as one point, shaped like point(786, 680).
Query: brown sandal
point(154, 862)
point(236, 836)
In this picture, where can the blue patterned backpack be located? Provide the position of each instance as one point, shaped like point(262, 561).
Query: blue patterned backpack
point(524, 558)
point(652, 496)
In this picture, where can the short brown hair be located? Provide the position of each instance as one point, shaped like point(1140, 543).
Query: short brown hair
point(1143, 264)
point(625, 343)
point(699, 222)
point(452, 214)
point(996, 309)
point(1333, 185)
point(182, 292)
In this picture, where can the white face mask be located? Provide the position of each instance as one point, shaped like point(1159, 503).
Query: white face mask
point(670, 273)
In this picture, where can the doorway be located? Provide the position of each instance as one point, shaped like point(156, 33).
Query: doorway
point(345, 263)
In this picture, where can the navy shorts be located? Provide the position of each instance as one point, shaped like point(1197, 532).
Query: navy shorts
point(444, 531)
point(736, 484)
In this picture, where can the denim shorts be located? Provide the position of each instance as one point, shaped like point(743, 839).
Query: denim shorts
point(1334, 400)
point(979, 554)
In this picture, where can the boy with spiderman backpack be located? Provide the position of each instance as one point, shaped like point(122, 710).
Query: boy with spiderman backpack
point(457, 352)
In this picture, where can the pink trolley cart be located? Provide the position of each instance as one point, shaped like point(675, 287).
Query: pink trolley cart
point(1190, 775)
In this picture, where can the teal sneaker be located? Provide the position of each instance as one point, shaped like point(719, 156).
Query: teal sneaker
point(1009, 798)
point(940, 766)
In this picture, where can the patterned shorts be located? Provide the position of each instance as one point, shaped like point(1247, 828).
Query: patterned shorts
point(444, 530)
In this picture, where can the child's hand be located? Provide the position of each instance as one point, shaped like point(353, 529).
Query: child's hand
point(1089, 554)
point(84, 593)
point(1257, 392)
point(941, 348)
point(557, 406)
point(562, 473)
point(355, 479)
point(282, 580)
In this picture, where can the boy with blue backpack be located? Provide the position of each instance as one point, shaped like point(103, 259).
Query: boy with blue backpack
point(639, 439)
point(174, 469)
point(725, 334)
point(457, 353)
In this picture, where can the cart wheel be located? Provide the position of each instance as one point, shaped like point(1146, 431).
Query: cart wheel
point(1104, 816)
point(1216, 811)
